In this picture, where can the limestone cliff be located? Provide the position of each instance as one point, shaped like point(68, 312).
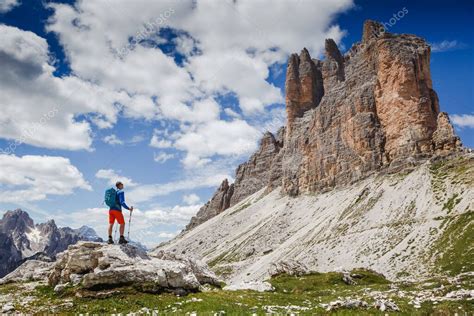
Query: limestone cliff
point(348, 116)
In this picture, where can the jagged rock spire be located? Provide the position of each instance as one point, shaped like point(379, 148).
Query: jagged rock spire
point(372, 30)
point(445, 140)
point(304, 85)
point(333, 65)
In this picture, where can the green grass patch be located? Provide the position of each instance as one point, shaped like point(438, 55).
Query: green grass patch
point(455, 247)
point(451, 203)
point(322, 282)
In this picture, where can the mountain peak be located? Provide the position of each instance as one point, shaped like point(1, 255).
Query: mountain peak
point(17, 220)
point(372, 110)
point(23, 240)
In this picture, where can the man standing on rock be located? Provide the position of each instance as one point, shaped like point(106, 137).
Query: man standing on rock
point(115, 199)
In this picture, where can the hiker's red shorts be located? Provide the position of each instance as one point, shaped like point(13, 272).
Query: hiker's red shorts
point(116, 215)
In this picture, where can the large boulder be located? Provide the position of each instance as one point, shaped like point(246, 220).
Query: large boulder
point(97, 265)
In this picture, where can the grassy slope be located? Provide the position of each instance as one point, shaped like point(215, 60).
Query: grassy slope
point(453, 252)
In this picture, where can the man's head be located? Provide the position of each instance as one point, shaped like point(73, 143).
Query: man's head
point(119, 185)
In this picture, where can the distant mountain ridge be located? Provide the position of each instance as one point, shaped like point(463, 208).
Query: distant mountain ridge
point(21, 239)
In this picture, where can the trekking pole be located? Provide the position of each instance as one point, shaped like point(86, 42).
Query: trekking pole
point(129, 222)
point(115, 234)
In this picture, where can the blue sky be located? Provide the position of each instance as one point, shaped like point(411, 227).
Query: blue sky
point(172, 96)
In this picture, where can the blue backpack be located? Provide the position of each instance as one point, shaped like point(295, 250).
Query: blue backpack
point(110, 197)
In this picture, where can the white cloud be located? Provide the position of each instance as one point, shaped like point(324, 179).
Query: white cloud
point(446, 46)
point(112, 140)
point(158, 142)
point(231, 113)
point(166, 235)
point(190, 199)
point(202, 179)
point(39, 108)
point(136, 139)
point(228, 46)
point(176, 215)
point(34, 178)
point(185, 45)
point(217, 138)
point(162, 157)
point(463, 120)
point(8, 5)
point(113, 177)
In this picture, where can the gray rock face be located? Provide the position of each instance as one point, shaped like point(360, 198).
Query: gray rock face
point(21, 239)
point(98, 265)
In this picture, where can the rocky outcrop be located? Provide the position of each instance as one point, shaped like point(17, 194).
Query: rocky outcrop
point(21, 239)
point(407, 106)
point(444, 139)
point(262, 168)
point(259, 170)
point(97, 265)
point(218, 203)
point(348, 116)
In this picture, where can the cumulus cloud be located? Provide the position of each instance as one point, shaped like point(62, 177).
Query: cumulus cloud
point(34, 178)
point(217, 138)
point(229, 52)
point(228, 48)
point(8, 5)
point(162, 157)
point(190, 199)
point(463, 120)
point(112, 177)
point(112, 140)
point(45, 114)
point(158, 142)
point(203, 179)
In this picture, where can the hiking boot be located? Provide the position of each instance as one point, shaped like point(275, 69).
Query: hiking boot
point(110, 241)
point(122, 240)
